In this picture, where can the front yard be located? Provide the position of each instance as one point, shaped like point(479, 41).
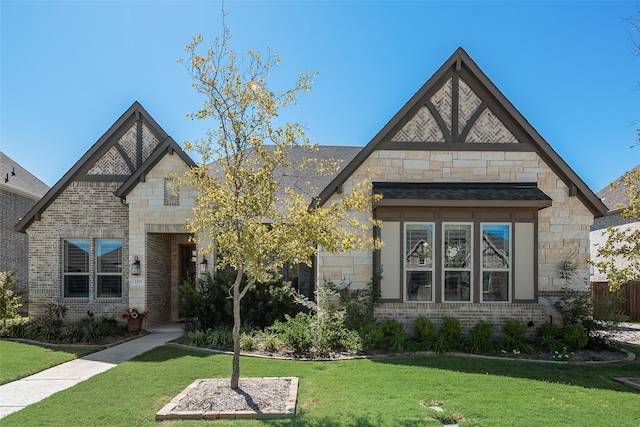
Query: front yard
point(19, 360)
point(387, 391)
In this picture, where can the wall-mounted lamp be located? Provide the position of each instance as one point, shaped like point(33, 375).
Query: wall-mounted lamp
point(135, 267)
point(203, 265)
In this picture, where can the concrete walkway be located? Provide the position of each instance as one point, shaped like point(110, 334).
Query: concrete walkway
point(26, 391)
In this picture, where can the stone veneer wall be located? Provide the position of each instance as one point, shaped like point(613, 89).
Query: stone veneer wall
point(148, 214)
point(563, 228)
point(84, 210)
point(14, 255)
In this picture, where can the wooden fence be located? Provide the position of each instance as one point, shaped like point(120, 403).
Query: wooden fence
point(630, 304)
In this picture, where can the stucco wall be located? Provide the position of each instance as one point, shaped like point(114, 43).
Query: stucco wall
point(84, 210)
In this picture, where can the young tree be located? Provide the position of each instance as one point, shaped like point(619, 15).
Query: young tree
point(10, 299)
point(242, 209)
point(619, 257)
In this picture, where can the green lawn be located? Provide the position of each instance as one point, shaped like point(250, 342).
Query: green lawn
point(19, 360)
point(384, 392)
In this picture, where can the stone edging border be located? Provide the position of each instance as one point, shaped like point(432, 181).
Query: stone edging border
point(98, 347)
point(630, 356)
point(168, 412)
point(631, 382)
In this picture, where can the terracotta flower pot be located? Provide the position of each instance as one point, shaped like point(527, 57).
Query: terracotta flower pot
point(134, 325)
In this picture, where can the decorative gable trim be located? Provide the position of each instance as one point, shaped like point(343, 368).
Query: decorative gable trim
point(117, 155)
point(169, 146)
point(459, 109)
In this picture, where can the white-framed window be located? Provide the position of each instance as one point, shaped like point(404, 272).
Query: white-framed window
point(75, 268)
point(495, 262)
point(91, 268)
point(108, 268)
point(457, 262)
point(418, 261)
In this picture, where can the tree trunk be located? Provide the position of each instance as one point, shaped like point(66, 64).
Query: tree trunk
point(235, 375)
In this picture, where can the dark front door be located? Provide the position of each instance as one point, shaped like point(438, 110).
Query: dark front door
point(187, 263)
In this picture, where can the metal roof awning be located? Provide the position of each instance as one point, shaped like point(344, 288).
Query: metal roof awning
point(458, 194)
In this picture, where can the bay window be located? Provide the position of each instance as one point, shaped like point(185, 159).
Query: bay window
point(418, 261)
point(496, 262)
point(457, 261)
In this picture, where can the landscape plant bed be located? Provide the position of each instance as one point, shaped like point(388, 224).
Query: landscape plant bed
point(212, 399)
point(612, 355)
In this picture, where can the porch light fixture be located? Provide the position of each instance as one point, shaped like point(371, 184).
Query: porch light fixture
point(135, 267)
point(203, 265)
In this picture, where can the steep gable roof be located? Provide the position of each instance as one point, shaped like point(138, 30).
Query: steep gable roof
point(126, 151)
point(459, 108)
point(18, 180)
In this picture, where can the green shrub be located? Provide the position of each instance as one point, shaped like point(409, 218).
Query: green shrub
point(548, 336)
point(295, 332)
point(371, 336)
point(598, 317)
point(220, 337)
point(247, 342)
point(451, 330)
point(207, 304)
point(574, 336)
point(393, 336)
point(424, 329)
point(481, 337)
point(515, 331)
point(269, 341)
point(197, 338)
point(358, 304)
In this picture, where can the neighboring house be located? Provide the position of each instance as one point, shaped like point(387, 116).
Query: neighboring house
point(19, 191)
point(478, 213)
point(615, 199)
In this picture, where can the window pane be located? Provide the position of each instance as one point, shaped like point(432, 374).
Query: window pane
point(76, 286)
point(76, 256)
point(419, 285)
point(495, 286)
point(457, 246)
point(495, 246)
point(109, 255)
point(109, 286)
point(419, 245)
point(457, 286)
point(171, 195)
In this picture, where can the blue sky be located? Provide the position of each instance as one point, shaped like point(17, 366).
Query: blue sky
point(69, 69)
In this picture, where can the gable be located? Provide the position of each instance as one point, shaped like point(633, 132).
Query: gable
point(453, 113)
point(459, 109)
point(129, 148)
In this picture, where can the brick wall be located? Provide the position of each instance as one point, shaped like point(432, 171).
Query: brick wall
point(14, 254)
point(158, 278)
point(84, 210)
point(468, 314)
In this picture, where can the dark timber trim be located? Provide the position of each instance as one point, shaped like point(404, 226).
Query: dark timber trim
point(460, 63)
point(78, 171)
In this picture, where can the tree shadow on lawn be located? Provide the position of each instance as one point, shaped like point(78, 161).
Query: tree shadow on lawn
point(599, 376)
